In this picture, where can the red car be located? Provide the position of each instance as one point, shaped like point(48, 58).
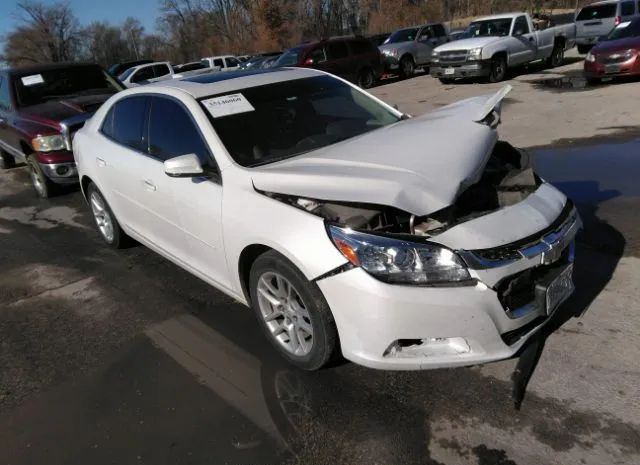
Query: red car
point(41, 107)
point(355, 59)
point(616, 55)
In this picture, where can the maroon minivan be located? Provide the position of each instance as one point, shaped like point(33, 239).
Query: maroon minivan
point(41, 107)
point(355, 59)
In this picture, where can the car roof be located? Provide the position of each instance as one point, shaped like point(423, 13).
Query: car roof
point(500, 16)
point(37, 68)
point(204, 85)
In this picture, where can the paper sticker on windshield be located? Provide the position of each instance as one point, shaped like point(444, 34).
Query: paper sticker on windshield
point(227, 105)
point(623, 25)
point(32, 80)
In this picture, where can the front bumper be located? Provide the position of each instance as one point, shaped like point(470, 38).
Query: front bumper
point(597, 69)
point(411, 328)
point(461, 70)
point(390, 63)
point(61, 173)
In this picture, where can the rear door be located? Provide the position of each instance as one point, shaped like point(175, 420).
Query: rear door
point(198, 201)
point(339, 61)
point(594, 21)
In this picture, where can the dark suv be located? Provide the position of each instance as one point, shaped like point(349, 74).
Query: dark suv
point(355, 59)
point(40, 109)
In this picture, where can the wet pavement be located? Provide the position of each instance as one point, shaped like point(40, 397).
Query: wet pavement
point(121, 357)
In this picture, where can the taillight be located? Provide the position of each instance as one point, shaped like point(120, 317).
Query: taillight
point(618, 20)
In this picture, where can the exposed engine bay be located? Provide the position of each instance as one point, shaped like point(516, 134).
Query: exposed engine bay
point(508, 178)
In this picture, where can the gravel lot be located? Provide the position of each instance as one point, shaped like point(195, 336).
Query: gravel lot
point(121, 357)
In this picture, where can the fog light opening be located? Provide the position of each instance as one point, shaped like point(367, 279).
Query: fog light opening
point(62, 170)
point(428, 347)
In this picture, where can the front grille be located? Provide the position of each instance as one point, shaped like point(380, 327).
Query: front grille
point(453, 56)
point(614, 58)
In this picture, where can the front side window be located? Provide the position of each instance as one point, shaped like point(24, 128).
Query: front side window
point(521, 26)
point(425, 34)
point(490, 28)
point(173, 133)
point(231, 62)
point(293, 117)
point(125, 122)
point(60, 83)
point(318, 55)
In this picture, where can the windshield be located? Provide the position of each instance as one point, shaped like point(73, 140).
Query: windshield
point(608, 10)
point(403, 35)
point(625, 30)
point(293, 117)
point(490, 27)
point(53, 84)
point(290, 57)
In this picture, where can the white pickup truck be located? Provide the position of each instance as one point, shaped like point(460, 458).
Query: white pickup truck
point(496, 43)
point(154, 72)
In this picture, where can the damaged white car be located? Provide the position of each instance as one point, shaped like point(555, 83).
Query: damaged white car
point(403, 243)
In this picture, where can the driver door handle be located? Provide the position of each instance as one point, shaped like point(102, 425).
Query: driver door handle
point(100, 162)
point(149, 185)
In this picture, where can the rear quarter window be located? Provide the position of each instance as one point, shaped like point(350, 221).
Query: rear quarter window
point(439, 30)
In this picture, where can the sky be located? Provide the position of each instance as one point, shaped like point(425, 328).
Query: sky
point(113, 11)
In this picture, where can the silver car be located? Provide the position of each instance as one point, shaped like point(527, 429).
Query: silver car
point(411, 48)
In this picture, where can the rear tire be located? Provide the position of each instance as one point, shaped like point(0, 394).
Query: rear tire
point(584, 49)
point(557, 56)
point(594, 81)
point(366, 78)
point(498, 69)
point(407, 67)
point(292, 312)
point(6, 160)
point(106, 222)
point(41, 183)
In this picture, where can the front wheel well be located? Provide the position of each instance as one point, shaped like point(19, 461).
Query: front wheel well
point(26, 148)
point(84, 184)
point(246, 261)
point(560, 41)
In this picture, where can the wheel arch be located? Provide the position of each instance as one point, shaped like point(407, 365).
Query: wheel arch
point(247, 258)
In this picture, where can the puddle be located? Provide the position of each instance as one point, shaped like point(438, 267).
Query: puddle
point(592, 174)
point(563, 83)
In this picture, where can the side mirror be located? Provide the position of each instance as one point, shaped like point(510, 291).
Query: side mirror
point(184, 166)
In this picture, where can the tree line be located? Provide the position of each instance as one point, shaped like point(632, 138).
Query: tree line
point(187, 30)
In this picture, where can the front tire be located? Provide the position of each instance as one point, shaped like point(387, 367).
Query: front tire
point(292, 312)
point(498, 69)
point(41, 183)
point(407, 67)
point(108, 227)
point(446, 81)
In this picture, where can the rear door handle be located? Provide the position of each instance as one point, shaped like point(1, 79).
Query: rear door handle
point(100, 162)
point(148, 185)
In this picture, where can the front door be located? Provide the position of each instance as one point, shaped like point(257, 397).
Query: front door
point(522, 43)
point(198, 201)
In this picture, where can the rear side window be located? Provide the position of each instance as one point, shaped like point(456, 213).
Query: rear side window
point(438, 30)
point(161, 70)
point(337, 50)
point(360, 47)
point(218, 62)
point(143, 74)
point(607, 10)
point(172, 132)
point(125, 122)
point(5, 99)
point(231, 62)
point(627, 9)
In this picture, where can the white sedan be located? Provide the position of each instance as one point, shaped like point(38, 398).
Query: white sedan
point(403, 243)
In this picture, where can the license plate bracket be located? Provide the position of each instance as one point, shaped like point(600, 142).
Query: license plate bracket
point(449, 71)
point(612, 69)
point(552, 293)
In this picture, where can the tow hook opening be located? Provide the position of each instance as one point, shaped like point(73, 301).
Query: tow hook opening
point(428, 347)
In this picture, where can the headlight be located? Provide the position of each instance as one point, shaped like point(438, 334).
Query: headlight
point(475, 54)
point(49, 143)
point(590, 57)
point(390, 51)
point(435, 56)
point(399, 261)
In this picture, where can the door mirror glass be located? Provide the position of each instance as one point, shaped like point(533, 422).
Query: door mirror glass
point(184, 166)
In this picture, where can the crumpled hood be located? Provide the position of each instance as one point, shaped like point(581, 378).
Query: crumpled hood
point(467, 44)
point(419, 165)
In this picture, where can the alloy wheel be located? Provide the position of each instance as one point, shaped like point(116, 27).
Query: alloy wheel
point(102, 216)
point(37, 182)
point(285, 313)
